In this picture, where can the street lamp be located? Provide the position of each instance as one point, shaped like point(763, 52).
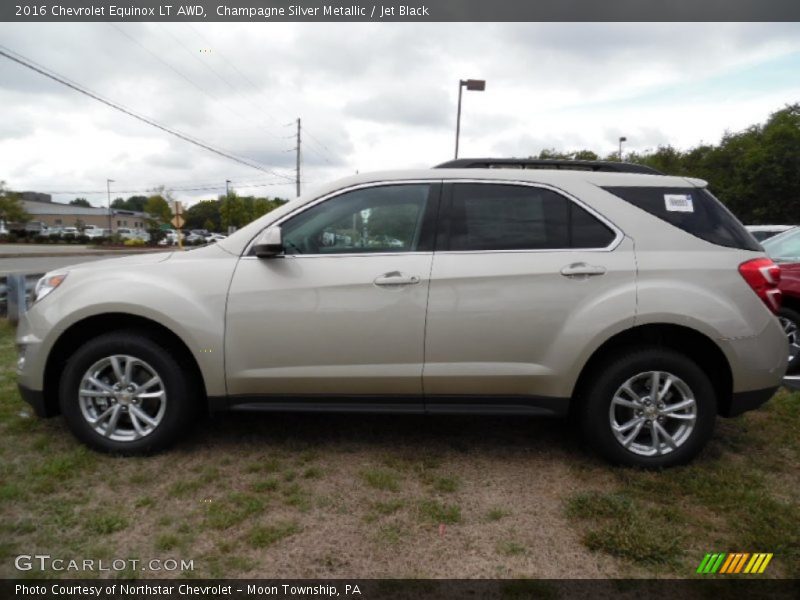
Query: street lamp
point(621, 139)
point(473, 85)
point(108, 189)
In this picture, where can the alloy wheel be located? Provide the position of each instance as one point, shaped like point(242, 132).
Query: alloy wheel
point(653, 413)
point(122, 398)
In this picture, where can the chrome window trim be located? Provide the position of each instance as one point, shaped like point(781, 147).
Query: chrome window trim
point(618, 237)
point(328, 196)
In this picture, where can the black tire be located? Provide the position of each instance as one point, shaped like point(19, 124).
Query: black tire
point(793, 317)
point(181, 398)
point(607, 379)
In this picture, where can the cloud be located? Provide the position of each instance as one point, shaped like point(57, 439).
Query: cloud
point(370, 96)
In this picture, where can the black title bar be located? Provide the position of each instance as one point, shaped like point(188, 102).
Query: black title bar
point(408, 11)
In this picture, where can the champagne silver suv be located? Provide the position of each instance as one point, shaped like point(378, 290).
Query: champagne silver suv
point(633, 302)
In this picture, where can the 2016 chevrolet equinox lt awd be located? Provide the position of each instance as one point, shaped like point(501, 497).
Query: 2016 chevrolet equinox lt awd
point(632, 301)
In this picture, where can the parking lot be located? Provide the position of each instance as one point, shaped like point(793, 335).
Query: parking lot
point(395, 496)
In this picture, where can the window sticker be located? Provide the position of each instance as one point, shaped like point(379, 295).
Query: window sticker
point(679, 202)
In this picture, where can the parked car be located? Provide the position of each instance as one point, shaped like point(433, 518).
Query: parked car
point(171, 238)
point(95, 232)
point(763, 232)
point(54, 232)
point(127, 233)
point(785, 250)
point(635, 302)
point(215, 237)
point(71, 231)
point(35, 227)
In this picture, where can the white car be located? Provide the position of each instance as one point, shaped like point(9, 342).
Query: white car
point(94, 232)
point(763, 232)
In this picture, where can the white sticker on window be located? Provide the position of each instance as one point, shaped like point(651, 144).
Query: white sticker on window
point(678, 202)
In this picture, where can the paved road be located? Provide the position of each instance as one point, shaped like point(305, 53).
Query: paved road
point(41, 264)
point(43, 258)
point(16, 249)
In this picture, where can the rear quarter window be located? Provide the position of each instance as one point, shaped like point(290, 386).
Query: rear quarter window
point(694, 210)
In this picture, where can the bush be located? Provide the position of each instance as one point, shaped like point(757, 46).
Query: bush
point(68, 237)
point(83, 239)
point(40, 239)
point(136, 242)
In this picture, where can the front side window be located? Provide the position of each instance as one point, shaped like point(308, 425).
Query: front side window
point(369, 220)
point(514, 217)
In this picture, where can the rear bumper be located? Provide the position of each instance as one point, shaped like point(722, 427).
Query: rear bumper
point(36, 400)
point(741, 402)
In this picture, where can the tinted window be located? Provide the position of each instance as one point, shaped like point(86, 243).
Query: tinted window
point(509, 217)
point(376, 219)
point(694, 210)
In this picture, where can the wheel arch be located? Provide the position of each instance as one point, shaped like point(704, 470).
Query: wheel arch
point(690, 342)
point(89, 327)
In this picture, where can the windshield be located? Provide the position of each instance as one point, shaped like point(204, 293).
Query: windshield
point(785, 246)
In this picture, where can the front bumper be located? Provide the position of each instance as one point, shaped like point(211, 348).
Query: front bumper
point(36, 400)
point(741, 402)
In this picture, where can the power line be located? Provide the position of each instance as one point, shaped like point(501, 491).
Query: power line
point(7, 52)
point(259, 92)
point(233, 111)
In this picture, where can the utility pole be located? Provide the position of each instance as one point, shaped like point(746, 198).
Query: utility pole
point(298, 156)
point(227, 188)
point(108, 190)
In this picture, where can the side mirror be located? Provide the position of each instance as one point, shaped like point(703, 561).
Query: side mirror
point(269, 244)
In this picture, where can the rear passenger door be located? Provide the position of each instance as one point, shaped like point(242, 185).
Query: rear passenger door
point(524, 279)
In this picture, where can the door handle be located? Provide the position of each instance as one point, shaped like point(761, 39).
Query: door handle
point(582, 270)
point(395, 278)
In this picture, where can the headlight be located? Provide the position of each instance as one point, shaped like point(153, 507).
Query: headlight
point(47, 284)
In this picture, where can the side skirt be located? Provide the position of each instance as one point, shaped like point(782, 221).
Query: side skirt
point(539, 406)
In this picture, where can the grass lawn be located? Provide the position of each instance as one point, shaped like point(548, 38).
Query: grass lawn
point(395, 496)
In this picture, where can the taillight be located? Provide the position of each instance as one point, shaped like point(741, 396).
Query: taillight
point(763, 276)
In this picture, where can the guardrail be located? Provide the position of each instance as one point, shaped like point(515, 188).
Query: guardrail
point(16, 292)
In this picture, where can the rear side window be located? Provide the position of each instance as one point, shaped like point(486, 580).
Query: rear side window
point(511, 217)
point(694, 210)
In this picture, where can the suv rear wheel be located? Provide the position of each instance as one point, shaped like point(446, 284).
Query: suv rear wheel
point(121, 392)
point(651, 408)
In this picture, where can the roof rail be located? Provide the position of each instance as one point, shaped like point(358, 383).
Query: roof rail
point(547, 163)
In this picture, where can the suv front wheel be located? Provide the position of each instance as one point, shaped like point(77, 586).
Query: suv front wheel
point(651, 408)
point(121, 392)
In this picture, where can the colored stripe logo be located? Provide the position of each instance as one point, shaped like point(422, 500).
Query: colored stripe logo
point(735, 562)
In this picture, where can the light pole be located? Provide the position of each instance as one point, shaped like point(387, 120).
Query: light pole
point(473, 85)
point(108, 190)
point(227, 183)
point(621, 139)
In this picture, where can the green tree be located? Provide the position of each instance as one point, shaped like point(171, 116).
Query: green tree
point(204, 213)
point(12, 210)
point(233, 211)
point(80, 202)
point(158, 209)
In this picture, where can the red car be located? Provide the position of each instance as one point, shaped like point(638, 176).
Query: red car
point(784, 249)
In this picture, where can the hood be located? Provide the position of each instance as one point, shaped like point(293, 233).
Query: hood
point(144, 258)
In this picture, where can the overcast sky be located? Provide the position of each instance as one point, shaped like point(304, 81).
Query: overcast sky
point(371, 96)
